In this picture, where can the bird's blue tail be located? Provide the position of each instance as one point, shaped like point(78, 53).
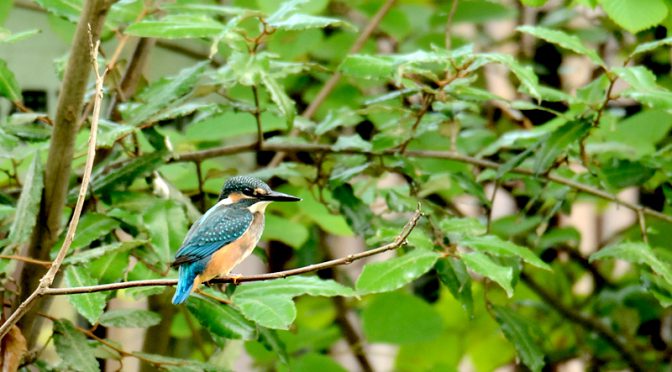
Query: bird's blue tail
point(185, 282)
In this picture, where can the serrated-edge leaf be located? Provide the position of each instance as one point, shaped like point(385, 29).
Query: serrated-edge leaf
point(174, 26)
point(280, 98)
point(169, 90)
point(9, 87)
point(277, 312)
point(483, 265)
point(636, 252)
point(293, 286)
point(525, 74)
point(494, 245)
point(647, 47)
point(517, 330)
point(395, 273)
point(635, 16)
point(129, 318)
point(558, 142)
point(73, 348)
point(562, 39)
point(29, 203)
point(94, 253)
point(90, 305)
point(223, 321)
point(305, 21)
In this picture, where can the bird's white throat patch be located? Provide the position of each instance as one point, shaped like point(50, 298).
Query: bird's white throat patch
point(259, 207)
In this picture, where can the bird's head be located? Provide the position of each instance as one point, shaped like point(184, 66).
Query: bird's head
point(251, 191)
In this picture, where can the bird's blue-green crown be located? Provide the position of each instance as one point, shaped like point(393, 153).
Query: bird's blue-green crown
point(244, 185)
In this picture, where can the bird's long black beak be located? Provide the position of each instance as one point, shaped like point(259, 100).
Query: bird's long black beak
point(281, 197)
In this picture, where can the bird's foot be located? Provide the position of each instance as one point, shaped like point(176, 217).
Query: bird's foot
point(235, 278)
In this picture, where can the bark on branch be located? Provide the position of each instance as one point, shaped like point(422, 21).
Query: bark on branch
point(447, 155)
point(398, 242)
point(60, 158)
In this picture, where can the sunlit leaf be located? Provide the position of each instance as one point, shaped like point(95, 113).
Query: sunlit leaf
point(481, 264)
point(396, 272)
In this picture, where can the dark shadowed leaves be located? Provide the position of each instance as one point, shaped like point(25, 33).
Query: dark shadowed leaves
point(523, 334)
point(72, 348)
point(221, 320)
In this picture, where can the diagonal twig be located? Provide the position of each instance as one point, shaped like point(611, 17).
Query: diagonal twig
point(398, 242)
point(48, 278)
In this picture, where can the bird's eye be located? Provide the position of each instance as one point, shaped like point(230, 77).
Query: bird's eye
point(248, 191)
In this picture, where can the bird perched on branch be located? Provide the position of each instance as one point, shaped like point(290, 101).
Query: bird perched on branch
point(225, 235)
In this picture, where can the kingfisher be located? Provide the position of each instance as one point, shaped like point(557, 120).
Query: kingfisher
point(225, 235)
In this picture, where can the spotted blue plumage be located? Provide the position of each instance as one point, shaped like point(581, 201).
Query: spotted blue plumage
point(219, 226)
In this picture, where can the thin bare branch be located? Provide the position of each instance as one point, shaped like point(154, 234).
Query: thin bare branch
point(329, 86)
point(398, 242)
point(447, 155)
point(449, 24)
point(29, 260)
point(49, 277)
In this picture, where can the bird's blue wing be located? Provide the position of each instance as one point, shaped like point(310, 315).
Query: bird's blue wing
point(218, 227)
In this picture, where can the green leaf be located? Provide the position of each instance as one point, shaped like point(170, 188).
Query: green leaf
point(163, 94)
point(283, 230)
point(558, 142)
point(7, 37)
point(221, 320)
point(562, 39)
point(481, 264)
point(89, 305)
point(29, 203)
point(494, 245)
point(453, 274)
point(357, 213)
point(269, 303)
point(291, 287)
point(89, 255)
point(352, 142)
point(176, 26)
point(129, 318)
point(9, 87)
point(635, 16)
point(621, 173)
point(523, 334)
point(280, 98)
point(72, 347)
point(117, 178)
point(534, 2)
point(459, 227)
point(399, 318)
point(395, 273)
point(305, 21)
point(271, 341)
point(167, 225)
point(639, 253)
point(368, 67)
point(277, 312)
point(525, 74)
point(92, 226)
point(647, 47)
point(68, 9)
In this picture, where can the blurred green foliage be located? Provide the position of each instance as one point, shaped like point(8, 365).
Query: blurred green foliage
point(416, 117)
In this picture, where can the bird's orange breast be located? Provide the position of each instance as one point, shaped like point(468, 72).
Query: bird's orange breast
point(230, 255)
